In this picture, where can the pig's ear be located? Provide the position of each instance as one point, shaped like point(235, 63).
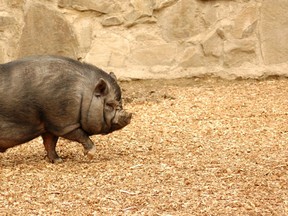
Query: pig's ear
point(101, 88)
point(113, 75)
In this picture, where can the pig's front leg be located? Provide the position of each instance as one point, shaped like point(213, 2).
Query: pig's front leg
point(80, 136)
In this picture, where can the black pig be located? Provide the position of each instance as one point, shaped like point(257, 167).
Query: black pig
point(54, 97)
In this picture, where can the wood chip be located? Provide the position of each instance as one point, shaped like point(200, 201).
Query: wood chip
point(194, 146)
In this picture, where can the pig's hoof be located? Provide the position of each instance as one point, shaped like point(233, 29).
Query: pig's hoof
point(53, 159)
point(56, 160)
point(90, 153)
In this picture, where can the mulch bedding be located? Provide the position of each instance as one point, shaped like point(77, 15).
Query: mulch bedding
point(194, 147)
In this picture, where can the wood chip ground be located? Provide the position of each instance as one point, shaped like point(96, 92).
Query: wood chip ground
point(194, 147)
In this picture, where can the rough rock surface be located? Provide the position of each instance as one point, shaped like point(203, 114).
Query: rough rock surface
point(274, 31)
point(46, 34)
point(153, 38)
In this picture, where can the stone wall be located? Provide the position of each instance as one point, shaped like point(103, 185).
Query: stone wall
point(152, 38)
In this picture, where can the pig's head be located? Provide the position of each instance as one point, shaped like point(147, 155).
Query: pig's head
point(105, 113)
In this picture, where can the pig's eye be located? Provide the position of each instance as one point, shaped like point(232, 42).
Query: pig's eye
point(109, 107)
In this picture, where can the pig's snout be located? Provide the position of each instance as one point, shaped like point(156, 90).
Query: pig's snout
point(122, 118)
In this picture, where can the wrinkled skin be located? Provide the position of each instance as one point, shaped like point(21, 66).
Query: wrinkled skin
point(56, 97)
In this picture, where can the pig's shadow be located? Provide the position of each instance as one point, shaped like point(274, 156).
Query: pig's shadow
point(12, 157)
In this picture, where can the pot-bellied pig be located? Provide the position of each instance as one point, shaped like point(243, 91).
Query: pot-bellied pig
point(54, 97)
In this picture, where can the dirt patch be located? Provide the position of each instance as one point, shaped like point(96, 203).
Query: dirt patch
point(194, 147)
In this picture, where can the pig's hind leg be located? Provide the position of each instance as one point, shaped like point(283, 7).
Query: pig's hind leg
point(2, 150)
point(50, 141)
